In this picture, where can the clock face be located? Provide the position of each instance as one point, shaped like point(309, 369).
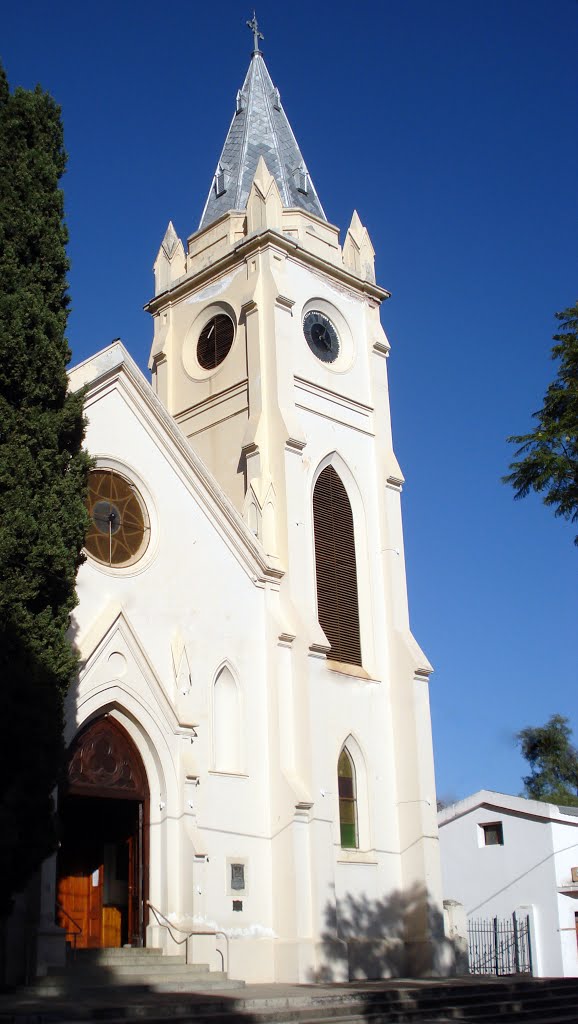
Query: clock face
point(118, 532)
point(321, 336)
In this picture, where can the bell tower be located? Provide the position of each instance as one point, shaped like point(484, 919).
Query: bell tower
point(263, 313)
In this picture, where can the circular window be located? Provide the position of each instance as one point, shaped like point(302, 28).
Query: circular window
point(215, 341)
point(119, 529)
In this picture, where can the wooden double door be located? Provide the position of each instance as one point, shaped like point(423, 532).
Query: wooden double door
point(102, 862)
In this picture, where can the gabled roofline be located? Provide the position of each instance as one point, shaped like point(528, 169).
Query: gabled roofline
point(114, 364)
point(518, 806)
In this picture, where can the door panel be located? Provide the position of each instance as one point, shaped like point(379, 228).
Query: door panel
point(72, 895)
point(135, 882)
point(111, 926)
point(95, 908)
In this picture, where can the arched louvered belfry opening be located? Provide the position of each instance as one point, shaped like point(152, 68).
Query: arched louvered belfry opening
point(347, 801)
point(336, 569)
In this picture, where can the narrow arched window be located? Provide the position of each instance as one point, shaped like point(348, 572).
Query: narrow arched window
point(347, 801)
point(336, 570)
point(226, 723)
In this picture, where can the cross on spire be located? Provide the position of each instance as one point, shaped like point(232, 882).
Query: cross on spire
point(256, 34)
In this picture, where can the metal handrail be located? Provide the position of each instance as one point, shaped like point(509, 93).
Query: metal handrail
point(165, 923)
point(72, 921)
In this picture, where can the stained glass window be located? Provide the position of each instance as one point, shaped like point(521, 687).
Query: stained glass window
point(119, 531)
point(347, 801)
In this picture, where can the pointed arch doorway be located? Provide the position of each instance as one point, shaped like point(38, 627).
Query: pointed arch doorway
point(102, 882)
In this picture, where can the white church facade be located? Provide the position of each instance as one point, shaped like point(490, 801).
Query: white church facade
point(250, 751)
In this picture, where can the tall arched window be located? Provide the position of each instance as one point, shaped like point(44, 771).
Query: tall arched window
point(336, 569)
point(226, 723)
point(347, 801)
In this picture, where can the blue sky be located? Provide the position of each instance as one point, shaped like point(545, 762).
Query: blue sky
point(451, 127)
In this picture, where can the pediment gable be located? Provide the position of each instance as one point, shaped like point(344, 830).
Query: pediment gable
point(112, 657)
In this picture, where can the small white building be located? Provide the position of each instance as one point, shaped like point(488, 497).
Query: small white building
point(504, 854)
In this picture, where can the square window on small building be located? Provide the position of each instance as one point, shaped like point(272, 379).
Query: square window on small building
point(492, 834)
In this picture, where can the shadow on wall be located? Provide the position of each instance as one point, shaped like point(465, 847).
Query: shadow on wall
point(401, 936)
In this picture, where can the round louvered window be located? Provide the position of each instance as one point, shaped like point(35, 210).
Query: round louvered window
point(215, 341)
point(119, 528)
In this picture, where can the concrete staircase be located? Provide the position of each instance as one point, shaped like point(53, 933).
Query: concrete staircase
point(144, 986)
point(95, 970)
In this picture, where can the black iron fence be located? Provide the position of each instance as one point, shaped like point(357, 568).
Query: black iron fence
point(500, 945)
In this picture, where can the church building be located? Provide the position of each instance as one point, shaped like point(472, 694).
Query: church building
point(249, 739)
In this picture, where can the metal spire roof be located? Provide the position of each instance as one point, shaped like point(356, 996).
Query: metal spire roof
point(259, 128)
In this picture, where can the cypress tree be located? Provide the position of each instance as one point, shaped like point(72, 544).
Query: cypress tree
point(43, 472)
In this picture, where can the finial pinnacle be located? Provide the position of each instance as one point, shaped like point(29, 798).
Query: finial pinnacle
point(256, 34)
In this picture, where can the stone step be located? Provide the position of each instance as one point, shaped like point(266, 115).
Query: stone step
point(93, 983)
point(493, 1002)
point(420, 1005)
point(116, 969)
point(207, 1015)
point(117, 956)
point(403, 1013)
point(482, 1012)
point(122, 952)
point(215, 982)
point(211, 981)
point(347, 1009)
point(106, 966)
point(98, 973)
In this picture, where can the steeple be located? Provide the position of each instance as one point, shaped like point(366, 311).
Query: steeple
point(259, 129)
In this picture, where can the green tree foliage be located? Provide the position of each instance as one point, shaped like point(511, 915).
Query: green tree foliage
point(43, 472)
point(553, 761)
point(547, 458)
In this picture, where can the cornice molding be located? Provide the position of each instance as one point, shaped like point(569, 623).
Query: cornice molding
point(295, 444)
point(333, 396)
point(239, 388)
point(381, 348)
point(284, 303)
point(395, 483)
point(251, 306)
point(257, 242)
point(319, 650)
point(286, 639)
